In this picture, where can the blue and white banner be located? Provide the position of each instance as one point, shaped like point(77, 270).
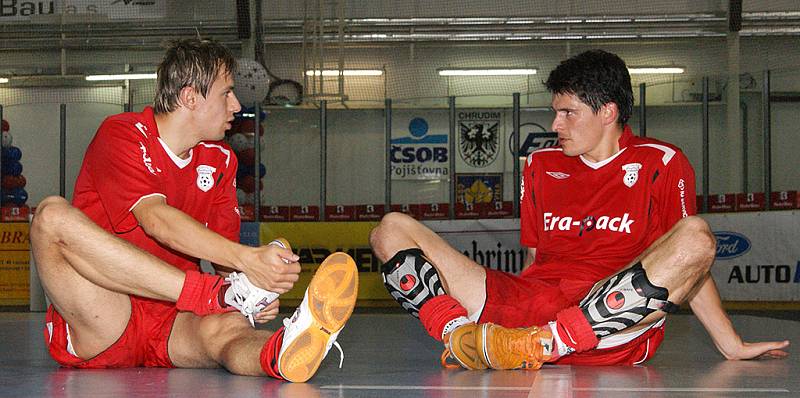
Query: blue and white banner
point(758, 255)
point(419, 147)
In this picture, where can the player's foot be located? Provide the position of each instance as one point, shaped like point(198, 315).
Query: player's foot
point(250, 299)
point(460, 346)
point(312, 330)
point(510, 348)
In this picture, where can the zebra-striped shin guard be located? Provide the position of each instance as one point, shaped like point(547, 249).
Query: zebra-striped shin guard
point(411, 279)
point(623, 301)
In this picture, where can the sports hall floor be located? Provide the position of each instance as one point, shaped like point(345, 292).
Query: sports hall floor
point(390, 355)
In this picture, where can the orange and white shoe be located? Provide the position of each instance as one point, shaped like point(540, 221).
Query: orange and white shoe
point(461, 346)
point(510, 348)
point(487, 345)
point(313, 328)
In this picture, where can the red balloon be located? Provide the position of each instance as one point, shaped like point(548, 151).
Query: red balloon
point(247, 184)
point(247, 157)
point(11, 182)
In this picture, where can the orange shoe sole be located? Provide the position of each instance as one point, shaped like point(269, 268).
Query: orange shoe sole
point(332, 296)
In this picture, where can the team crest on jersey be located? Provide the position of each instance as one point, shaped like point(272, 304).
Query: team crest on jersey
point(631, 173)
point(205, 177)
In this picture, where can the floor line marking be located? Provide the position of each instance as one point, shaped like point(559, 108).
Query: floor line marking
point(499, 388)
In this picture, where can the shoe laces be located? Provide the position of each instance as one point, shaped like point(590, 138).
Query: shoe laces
point(242, 298)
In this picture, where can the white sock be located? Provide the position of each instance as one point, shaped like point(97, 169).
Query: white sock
point(562, 348)
point(452, 325)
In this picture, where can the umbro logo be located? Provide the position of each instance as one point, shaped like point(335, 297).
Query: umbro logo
point(557, 175)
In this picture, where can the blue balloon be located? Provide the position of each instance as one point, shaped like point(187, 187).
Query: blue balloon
point(16, 196)
point(12, 154)
point(243, 171)
point(12, 168)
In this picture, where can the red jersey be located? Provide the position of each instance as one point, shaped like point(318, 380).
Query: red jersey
point(127, 161)
point(588, 220)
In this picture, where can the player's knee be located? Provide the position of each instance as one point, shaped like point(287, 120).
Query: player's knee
point(49, 215)
point(216, 331)
point(697, 241)
point(381, 235)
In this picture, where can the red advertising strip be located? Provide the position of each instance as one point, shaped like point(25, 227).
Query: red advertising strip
point(721, 203)
point(499, 210)
point(434, 211)
point(304, 213)
point(275, 213)
point(14, 213)
point(753, 201)
point(370, 212)
point(247, 212)
point(411, 210)
point(469, 210)
point(784, 200)
point(340, 213)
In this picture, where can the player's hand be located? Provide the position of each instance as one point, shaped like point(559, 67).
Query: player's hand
point(269, 313)
point(271, 267)
point(759, 350)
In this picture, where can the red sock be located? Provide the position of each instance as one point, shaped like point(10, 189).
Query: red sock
point(269, 355)
point(437, 312)
point(574, 330)
point(201, 294)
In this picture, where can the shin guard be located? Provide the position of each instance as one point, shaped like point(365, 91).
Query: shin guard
point(623, 301)
point(411, 279)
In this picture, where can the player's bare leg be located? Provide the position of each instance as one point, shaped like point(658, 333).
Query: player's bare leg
point(463, 279)
point(225, 340)
point(87, 274)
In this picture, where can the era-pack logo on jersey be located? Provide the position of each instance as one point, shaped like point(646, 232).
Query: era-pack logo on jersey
point(205, 177)
point(631, 174)
point(588, 223)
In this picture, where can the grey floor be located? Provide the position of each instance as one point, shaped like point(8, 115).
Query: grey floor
point(389, 355)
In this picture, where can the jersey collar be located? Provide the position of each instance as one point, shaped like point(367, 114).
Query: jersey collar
point(624, 141)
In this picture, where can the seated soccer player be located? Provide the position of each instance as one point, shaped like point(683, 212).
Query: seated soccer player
point(613, 246)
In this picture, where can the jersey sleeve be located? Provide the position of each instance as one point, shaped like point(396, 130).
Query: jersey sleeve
point(528, 227)
point(675, 193)
point(120, 165)
point(224, 218)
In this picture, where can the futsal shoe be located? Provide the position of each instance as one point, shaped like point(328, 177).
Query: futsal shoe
point(250, 299)
point(313, 328)
point(460, 345)
point(509, 348)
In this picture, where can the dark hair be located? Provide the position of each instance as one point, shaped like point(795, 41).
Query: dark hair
point(189, 63)
point(596, 77)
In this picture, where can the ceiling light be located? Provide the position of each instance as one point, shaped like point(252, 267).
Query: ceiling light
point(127, 76)
point(3, 80)
point(653, 70)
point(487, 72)
point(345, 72)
